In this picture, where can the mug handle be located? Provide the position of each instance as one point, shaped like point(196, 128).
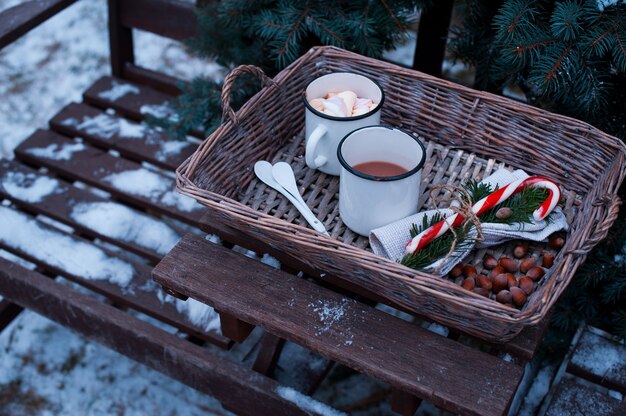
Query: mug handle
point(311, 145)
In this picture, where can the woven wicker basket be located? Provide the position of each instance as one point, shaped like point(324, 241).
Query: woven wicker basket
point(468, 134)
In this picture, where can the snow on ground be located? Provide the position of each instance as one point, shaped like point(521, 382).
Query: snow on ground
point(48, 370)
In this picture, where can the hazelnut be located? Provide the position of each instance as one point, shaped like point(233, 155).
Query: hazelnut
point(504, 213)
point(526, 284)
point(547, 260)
point(520, 250)
point(469, 271)
point(511, 281)
point(456, 271)
point(468, 283)
point(496, 271)
point(518, 295)
point(527, 264)
point(509, 264)
point(504, 296)
point(499, 282)
point(484, 282)
point(481, 291)
point(535, 273)
point(556, 241)
point(489, 261)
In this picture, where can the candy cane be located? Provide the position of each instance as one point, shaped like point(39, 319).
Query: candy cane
point(554, 195)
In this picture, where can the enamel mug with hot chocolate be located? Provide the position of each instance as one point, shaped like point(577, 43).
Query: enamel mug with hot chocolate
point(323, 131)
point(369, 200)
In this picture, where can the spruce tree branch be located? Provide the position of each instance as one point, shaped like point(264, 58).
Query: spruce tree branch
point(328, 31)
point(602, 36)
point(619, 42)
point(393, 16)
point(524, 48)
point(272, 24)
point(552, 73)
point(293, 31)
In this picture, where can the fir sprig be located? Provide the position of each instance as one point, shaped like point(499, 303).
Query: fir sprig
point(522, 206)
point(439, 247)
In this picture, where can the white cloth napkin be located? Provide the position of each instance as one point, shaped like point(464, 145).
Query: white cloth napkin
point(390, 240)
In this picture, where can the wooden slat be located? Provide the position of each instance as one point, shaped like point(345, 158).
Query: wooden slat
point(600, 359)
point(170, 18)
point(8, 312)
point(139, 295)
point(522, 346)
point(19, 19)
point(141, 142)
point(574, 398)
point(450, 375)
point(154, 79)
point(129, 105)
point(93, 166)
point(60, 204)
point(238, 388)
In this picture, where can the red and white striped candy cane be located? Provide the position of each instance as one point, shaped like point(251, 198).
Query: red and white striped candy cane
point(425, 237)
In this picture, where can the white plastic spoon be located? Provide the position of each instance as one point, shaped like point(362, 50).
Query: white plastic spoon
point(263, 171)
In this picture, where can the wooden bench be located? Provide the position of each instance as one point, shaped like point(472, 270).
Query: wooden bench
point(592, 378)
point(74, 188)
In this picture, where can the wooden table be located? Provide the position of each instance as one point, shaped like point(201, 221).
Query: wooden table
point(339, 321)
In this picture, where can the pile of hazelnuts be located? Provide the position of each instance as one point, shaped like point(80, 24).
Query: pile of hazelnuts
point(509, 281)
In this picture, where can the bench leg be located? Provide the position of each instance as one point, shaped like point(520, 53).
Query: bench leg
point(269, 353)
point(404, 403)
point(234, 328)
point(8, 312)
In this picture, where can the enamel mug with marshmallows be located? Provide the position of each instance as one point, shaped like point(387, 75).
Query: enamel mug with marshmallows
point(368, 201)
point(324, 131)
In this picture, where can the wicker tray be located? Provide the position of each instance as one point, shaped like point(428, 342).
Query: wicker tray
point(468, 134)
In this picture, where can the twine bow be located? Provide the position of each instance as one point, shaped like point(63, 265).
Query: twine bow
point(463, 198)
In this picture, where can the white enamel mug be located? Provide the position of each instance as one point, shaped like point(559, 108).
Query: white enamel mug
point(322, 131)
point(367, 202)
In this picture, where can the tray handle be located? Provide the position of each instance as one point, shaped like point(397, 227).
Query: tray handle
point(608, 215)
point(227, 110)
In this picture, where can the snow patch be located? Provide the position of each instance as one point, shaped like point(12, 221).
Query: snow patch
point(56, 152)
point(196, 312)
point(537, 391)
point(170, 148)
point(72, 256)
point(270, 261)
point(132, 130)
point(306, 403)
point(602, 4)
point(18, 260)
point(329, 313)
point(117, 91)
point(163, 110)
point(153, 186)
point(120, 222)
point(28, 187)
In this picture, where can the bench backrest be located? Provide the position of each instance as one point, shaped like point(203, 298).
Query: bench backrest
point(174, 19)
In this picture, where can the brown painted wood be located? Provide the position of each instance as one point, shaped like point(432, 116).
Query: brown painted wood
point(432, 36)
point(238, 388)
point(268, 355)
point(574, 398)
point(233, 328)
point(522, 347)
point(140, 295)
point(450, 375)
point(404, 403)
point(78, 120)
point(93, 166)
point(157, 80)
point(8, 312)
point(60, 204)
point(130, 104)
point(120, 39)
point(589, 343)
point(169, 18)
point(20, 19)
